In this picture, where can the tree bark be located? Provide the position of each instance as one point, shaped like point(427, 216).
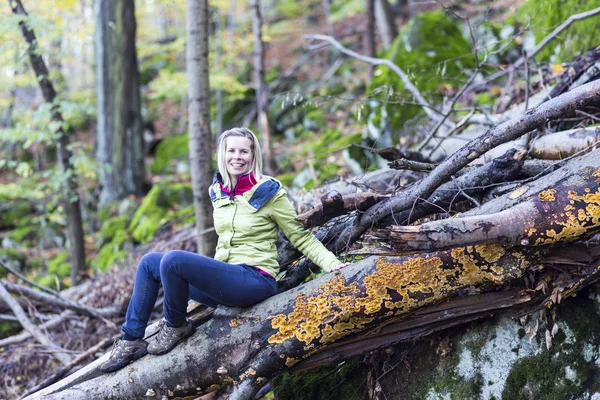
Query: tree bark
point(369, 38)
point(250, 346)
point(262, 94)
point(385, 22)
point(120, 141)
point(201, 147)
point(71, 201)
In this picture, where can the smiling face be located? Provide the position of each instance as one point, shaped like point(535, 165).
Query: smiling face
point(238, 156)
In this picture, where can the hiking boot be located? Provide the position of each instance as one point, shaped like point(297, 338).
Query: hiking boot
point(168, 337)
point(123, 352)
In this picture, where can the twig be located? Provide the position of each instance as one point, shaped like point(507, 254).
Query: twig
point(64, 370)
point(378, 61)
point(29, 326)
point(411, 165)
point(59, 301)
point(24, 278)
point(542, 44)
point(587, 115)
point(21, 337)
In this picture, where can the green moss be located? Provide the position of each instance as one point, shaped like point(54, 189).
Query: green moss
point(314, 119)
point(171, 148)
point(13, 258)
point(432, 51)
point(545, 15)
point(485, 99)
point(8, 329)
point(12, 216)
point(108, 256)
point(22, 234)
point(322, 383)
point(60, 265)
point(160, 203)
point(542, 376)
point(110, 228)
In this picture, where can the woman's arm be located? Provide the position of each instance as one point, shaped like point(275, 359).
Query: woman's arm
point(284, 215)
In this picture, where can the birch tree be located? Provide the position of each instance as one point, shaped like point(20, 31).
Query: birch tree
point(71, 201)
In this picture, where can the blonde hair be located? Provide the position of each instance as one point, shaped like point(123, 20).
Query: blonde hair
point(256, 166)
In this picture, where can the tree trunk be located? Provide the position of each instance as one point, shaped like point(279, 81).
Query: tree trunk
point(385, 22)
point(370, 36)
point(261, 88)
point(199, 121)
point(71, 201)
point(120, 142)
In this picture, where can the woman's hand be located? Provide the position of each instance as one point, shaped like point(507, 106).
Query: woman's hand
point(340, 266)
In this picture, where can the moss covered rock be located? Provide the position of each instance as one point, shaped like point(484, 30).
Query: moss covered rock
point(13, 213)
point(161, 203)
point(168, 150)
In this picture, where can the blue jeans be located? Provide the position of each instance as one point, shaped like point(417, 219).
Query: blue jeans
point(186, 275)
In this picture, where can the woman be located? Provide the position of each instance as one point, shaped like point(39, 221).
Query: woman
point(249, 208)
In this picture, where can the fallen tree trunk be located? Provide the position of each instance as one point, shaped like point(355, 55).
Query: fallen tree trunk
point(254, 344)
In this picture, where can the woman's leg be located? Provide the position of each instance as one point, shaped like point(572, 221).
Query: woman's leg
point(236, 285)
point(145, 292)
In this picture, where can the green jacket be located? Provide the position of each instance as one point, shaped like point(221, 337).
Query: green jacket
point(248, 224)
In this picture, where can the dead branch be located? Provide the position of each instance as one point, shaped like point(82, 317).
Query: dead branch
point(540, 46)
point(21, 337)
point(60, 302)
point(564, 104)
point(58, 353)
point(379, 61)
point(411, 165)
point(29, 281)
point(334, 204)
point(559, 145)
point(565, 208)
point(61, 372)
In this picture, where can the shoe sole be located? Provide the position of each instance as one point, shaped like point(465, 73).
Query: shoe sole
point(123, 363)
point(164, 351)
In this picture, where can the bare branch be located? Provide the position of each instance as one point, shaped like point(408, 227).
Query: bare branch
point(378, 61)
point(29, 326)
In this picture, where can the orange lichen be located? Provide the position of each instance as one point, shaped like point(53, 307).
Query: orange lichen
point(235, 322)
point(337, 309)
point(547, 195)
point(581, 215)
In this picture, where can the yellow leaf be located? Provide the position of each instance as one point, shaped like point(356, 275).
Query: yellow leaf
point(557, 69)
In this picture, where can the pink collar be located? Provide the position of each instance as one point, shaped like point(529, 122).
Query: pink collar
point(244, 183)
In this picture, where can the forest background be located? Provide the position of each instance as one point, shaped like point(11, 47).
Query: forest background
point(320, 112)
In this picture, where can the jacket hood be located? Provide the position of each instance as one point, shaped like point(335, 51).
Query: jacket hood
point(256, 197)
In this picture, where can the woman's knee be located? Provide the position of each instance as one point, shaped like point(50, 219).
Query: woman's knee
point(150, 264)
point(171, 260)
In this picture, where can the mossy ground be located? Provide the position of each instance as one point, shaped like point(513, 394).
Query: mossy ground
point(345, 381)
